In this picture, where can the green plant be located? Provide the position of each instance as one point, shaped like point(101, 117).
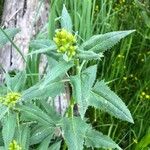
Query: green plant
point(28, 121)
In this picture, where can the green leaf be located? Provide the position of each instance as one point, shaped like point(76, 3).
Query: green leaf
point(105, 99)
point(103, 42)
point(146, 18)
point(79, 84)
point(41, 91)
point(45, 143)
point(23, 136)
point(34, 113)
point(11, 32)
point(74, 130)
point(3, 90)
point(42, 46)
point(17, 82)
point(55, 146)
point(2, 148)
point(41, 133)
point(40, 43)
point(89, 55)
point(66, 22)
point(3, 111)
point(144, 142)
point(76, 87)
point(95, 139)
point(8, 130)
point(51, 112)
point(58, 71)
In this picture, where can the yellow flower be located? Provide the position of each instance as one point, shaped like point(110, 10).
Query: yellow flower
point(14, 146)
point(147, 96)
point(11, 99)
point(65, 42)
point(124, 78)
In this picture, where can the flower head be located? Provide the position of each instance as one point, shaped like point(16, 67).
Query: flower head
point(10, 99)
point(66, 43)
point(14, 146)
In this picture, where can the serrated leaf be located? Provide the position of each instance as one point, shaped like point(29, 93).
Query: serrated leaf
point(42, 46)
point(66, 22)
point(40, 43)
point(45, 143)
point(82, 85)
point(55, 146)
point(95, 139)
point(23, 136)
point(11, 32)
point(103, 42)
point(41, 133)
point(74, 130)
point(34, 113)
point(3, 111)
point(58, 71)
point(8, 130)
point(105, 99)
point(17, 82)
point(50, 111)
point(41, 91)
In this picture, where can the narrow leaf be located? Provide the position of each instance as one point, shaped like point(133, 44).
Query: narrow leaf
point(23, 136)
point(33, 113)
point(66, 22)
point(82, 85)
point(103, 42)
point(55, 146)
point(45, 143)
point(41, 91)
point(8, 130)
point(74, 130)
point(3, 111)
point(105, 99)
point(40, 134)
point(11, 32)
point(17, 82)
point(95, 139)
point(58, 71)
point(50, 111)
point(41, 46)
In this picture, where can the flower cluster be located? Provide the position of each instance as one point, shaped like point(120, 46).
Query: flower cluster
point(10, 99)
point(14, 146)
point(144, 95)
point(66, 42)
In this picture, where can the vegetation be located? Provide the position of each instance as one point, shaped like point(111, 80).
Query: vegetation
point(82, 45)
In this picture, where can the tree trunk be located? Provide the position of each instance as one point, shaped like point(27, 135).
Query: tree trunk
point(22, 14)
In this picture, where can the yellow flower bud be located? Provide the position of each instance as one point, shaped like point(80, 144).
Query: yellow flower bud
point(124, 78)
point(14, 146)
point(62, 49)
point(147, 96)
point(11, 99)
point(143, 93)
point(65, 42)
